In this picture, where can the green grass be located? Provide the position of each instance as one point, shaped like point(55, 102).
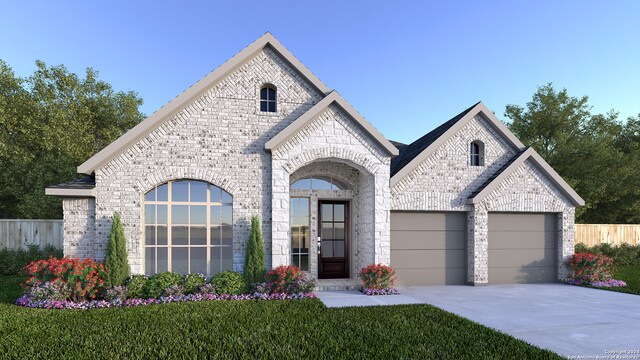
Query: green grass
point(249, 329)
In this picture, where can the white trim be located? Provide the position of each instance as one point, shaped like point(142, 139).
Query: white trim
point(70, 192)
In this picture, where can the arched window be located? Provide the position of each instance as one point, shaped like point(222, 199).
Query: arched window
point(317, 183)
point(268, 98)
point(188, 228)
point(477, 153)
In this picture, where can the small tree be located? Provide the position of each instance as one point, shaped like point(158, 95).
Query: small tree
point(254, 265)
point(117, 262)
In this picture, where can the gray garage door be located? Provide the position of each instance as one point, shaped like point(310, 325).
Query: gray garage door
point(522, 248)
point(429, 248)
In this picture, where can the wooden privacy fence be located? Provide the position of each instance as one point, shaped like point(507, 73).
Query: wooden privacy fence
point(17, 233)
point(614, 234)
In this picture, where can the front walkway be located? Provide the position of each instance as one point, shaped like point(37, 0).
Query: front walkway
point(569, 320)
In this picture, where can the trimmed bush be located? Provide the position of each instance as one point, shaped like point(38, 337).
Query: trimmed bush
point(12, 261)
point(84, 278)
point(173, 290)
point(160, 282)
point(377, 276)
point(192, 282)
point(229, 282)
point(590, 268)
point(117, 262)
point(136, 285)
point(206, 289)
point(254, 265)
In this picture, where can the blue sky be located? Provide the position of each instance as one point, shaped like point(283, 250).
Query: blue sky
point(406, 66)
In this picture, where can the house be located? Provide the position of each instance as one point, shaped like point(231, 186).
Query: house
point(261, 134)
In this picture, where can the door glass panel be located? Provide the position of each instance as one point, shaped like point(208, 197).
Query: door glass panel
point(338, 248)
point(338, 230)
point(327, 212)
point(327, 248)
point(299, 223)
point(338, 212)
point(327, 231)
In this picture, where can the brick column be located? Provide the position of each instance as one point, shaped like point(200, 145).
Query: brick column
point(477, 246)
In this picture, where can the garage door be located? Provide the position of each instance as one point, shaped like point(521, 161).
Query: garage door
point(429, 248)
point(522, 248)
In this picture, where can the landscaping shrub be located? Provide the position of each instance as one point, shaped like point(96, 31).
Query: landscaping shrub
point(136, 285)
point(254, 265)
point(116, 293)
point(206, 289)
point(377, 277)
point(173, 290)
point(117, 262)
point(55, 290)
point(192, 282)
point(12, 261)
point(160, 282)
point(590, 268)
point(84, 278)
point(622, 255)
point(287, 280)
point(229, 282)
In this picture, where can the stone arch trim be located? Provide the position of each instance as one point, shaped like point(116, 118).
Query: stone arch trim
point(359, 160)
point(160, 177)
point(335, 170)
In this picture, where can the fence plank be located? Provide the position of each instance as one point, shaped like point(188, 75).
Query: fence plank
point(18, 233)
point(614, 234)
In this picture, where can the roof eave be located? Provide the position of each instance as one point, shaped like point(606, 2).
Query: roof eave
point(62, 192)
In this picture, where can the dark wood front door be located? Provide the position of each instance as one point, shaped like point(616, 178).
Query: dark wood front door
point(333, 258)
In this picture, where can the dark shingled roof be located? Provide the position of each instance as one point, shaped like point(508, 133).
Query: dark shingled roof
point(85, 182)
point(497, 173)
point(409, 152)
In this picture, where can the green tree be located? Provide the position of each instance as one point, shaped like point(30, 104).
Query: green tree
point(584, 148)
point(117, 261)
point(52, 121)
point(254, 265)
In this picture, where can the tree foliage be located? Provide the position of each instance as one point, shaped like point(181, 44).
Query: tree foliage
point(596, 154)
point(254, 266)
point(117, 261)
point(52, 121)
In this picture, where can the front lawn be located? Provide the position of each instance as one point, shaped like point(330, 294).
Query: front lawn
point(248, 329)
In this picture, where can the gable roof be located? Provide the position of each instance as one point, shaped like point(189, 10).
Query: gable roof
point(420, 149)
point(196, 90)
point(333, 97)
point(515, 162)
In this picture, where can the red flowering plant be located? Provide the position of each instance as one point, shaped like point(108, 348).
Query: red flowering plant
point(590, 268)
point(84, 279)
point(377, 277)
point(288, 280)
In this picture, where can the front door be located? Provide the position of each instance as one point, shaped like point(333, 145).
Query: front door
point(333, 252)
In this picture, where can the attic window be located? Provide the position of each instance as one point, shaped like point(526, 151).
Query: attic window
point(268, 98)
point(477, 153)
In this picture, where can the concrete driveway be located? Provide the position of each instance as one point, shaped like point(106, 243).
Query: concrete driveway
point(569, 320)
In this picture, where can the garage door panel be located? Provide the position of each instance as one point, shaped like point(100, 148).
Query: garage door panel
point(448, 276)
point(427, 221)
point(522, 222)
point(522, 275)
point(428, 259)
point(522, 240)
point(414, 239)
point(517, 258)
point(522, 248)
point(429, 248)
